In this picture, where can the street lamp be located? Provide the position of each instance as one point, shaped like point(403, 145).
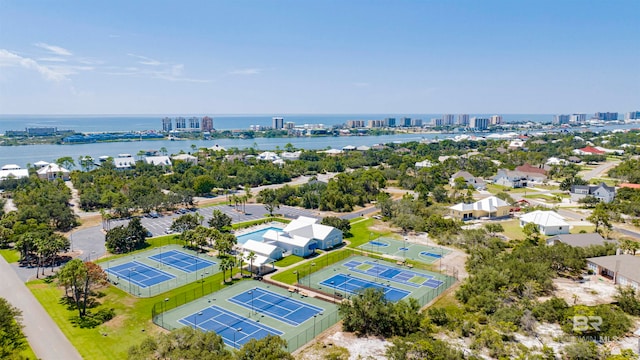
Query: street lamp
point(196, 320)
point(164, 307)
point(129, 278)
point(312, 264)
point(334, 291)
point(251, 292)
point(235, 345)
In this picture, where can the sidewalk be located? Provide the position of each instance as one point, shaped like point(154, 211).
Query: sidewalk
point(44, 336)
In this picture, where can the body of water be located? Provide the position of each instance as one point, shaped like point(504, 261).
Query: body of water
point(99, 123)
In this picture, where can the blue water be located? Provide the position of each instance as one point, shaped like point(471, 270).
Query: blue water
point(106, 123)
point(255, 235)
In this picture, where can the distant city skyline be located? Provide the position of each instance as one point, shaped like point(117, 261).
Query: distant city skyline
point(320, 57)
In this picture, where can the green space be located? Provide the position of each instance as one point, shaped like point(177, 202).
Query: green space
point(512, 229)
point(587, 228)
point(288, 260)
point(112, 339)
point(10, 255)
point(362, 234)
point(494, 189)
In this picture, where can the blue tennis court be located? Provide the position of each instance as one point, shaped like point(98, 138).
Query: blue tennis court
point(426, 253)
point(283, 308)
point(234, 329)
point(139, 274)
point(182, 261)
point(352, 284)
point(378, 243)
point(401, 276)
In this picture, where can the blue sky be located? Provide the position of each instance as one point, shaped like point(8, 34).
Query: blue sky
point(285, 57)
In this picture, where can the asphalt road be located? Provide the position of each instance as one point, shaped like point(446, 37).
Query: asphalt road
point(45, 338)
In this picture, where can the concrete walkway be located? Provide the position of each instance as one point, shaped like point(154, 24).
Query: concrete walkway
point(45, 338)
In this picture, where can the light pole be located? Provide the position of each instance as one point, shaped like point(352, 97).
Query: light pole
point(129, 279)
point(297, 277)
point(196, 320)
point(251, 292)
point(345, 285)
point(312, 264)
point(334, 291)
point(164, 307)
point(235, 345)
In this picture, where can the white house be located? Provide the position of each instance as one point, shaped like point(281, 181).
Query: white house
point(622, 269)
point(158, 160)
point(424, 164)
point(549, 222)
point(491, 207)
point(261, 248)
point(287, 155)
point(124, 162)
point(268, 156)
point(325, 236)
point(40, 164)
point(476, 182)
point(53, 171)
point(295, 245)
point(186, 158)
point(13, 171)
point(602, 192)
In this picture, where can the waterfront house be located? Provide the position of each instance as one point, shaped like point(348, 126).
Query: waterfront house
point(53, 171)
point(186, 158)
point(549, 222)
point(13, 171)
point(158, 160)
point(602, 192)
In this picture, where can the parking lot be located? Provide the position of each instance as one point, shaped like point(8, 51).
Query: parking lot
point(158, 225)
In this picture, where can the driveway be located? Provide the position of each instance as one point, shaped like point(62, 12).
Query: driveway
point(600, 170)
point(45, 338)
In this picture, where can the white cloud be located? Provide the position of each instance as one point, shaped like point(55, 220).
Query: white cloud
point(54, 49)
point(9, 59)
point(250, 71)
point(52, 59)
point(146, 60)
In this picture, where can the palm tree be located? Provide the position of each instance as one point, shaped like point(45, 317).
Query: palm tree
point(163, 151)
point(226, 264)
point(240, 263)
point(251, 256)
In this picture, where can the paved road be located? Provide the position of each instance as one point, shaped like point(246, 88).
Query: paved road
point(44, 336)
point(599, 170)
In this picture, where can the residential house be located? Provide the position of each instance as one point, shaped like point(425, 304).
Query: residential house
point(423, 164)
point(623, 269)
point(491, 207)
point(533, 173)
point(13, 171)
point(510, 178)
point(268, 156)
point(602, 192)
point(303, 236)
point(53, 171)
point(579, 240)
point(286, 155)
point(477, 182)
point(124, 161)
point(549, 222)
point(186, 158)
point(158, 160)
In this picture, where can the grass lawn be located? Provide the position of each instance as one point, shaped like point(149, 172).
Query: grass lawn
point(608, 181)
point(10, 255)
point(494, 189)
point(288, 260)
point(289, 276)
point(362, 234)
point(112, 339)
point(587, 228)
point(545, 197)
point(512, 229)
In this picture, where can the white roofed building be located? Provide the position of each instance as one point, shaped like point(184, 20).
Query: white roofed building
point(126, 162)
point(491, 207)
point(549, 222)
point(293, 244)
point(268, 156)
point(186, 158)
point(13, 171)
point(158, 160)
point(53, 171)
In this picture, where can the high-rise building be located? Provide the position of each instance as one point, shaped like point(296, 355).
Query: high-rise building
point(416, 122)
point(578, 118)
point(181, 123)
point(448, 119)
point(561, 119)
point(289, 125)
point(167, 124)
point(194, 123)
point(479, 123)
point(495, 120)
point(405, 121)
point(207, 124)
point(463, 119)
point(355, 124)
point(375, 123)
point(391, 122)
point(633, 115)
point(437, 121)
point(278, 122)
point(606, 116)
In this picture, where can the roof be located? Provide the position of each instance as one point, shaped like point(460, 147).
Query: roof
point(268, 155)
point(184, 157)
point(17, 174)
point(301, 221)
point(631, 186)
point(124, 162)
point(52, 168)
point(258, 260)
point(489, 204)
point(580, 240)
point(158, 160)
point(259, 247)
point(627, 265)
point(544, 218)
point(527, 168)
point(41, 163)
point(217, 147)
point(592, 150)
point(284, 238)
point(463, 174)
point(11, 167)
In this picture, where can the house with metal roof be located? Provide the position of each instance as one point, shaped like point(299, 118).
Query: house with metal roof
point(602, 192)
point(580, 240)
point(491, 207)
point(549, 222)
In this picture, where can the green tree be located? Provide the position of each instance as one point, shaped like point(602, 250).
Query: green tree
point(226, 264)
point(250, 257)
point(80, 277)
point(582, 350)
point(270, 347)
point(532, 233)
point(269, 198)
point(600, 217)
point(66, 162)
point(628, 300)
point(12, 340)
point(341, 224)
point(418, 346)
point(184, 343)
point(186, 222)
point(219, 220)
point(494, 228)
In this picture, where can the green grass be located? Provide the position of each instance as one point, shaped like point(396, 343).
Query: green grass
point(512, 229)
point(494, 189)
point(608, 181)
point(362, 234)
point(10, 255)
point(152, 243)
point(587, 228)
point(112, 339)
point(289, 276)
point(288, 260)
point(549, 198)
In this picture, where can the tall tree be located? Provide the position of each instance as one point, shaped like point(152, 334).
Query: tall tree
point(184, 343)
point(12, 340)
point(80, 277)
point(219, 220)
point(270, 347)
point(66, 162)
point(269, 198)
point(600, 217)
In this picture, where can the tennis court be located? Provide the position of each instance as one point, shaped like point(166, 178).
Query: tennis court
point(283, 308)
point(352, 284)
point(402, 276)
point(234, 329)
point(182, 261)
point(405, 249)
point(140, 274)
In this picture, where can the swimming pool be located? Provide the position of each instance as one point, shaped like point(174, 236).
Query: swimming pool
point(255, 235)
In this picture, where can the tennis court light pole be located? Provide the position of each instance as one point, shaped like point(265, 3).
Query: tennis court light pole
point(235, 345)
point(312, 264)
point(196, 320)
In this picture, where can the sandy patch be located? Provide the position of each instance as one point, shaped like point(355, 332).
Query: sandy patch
point(595, 290)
